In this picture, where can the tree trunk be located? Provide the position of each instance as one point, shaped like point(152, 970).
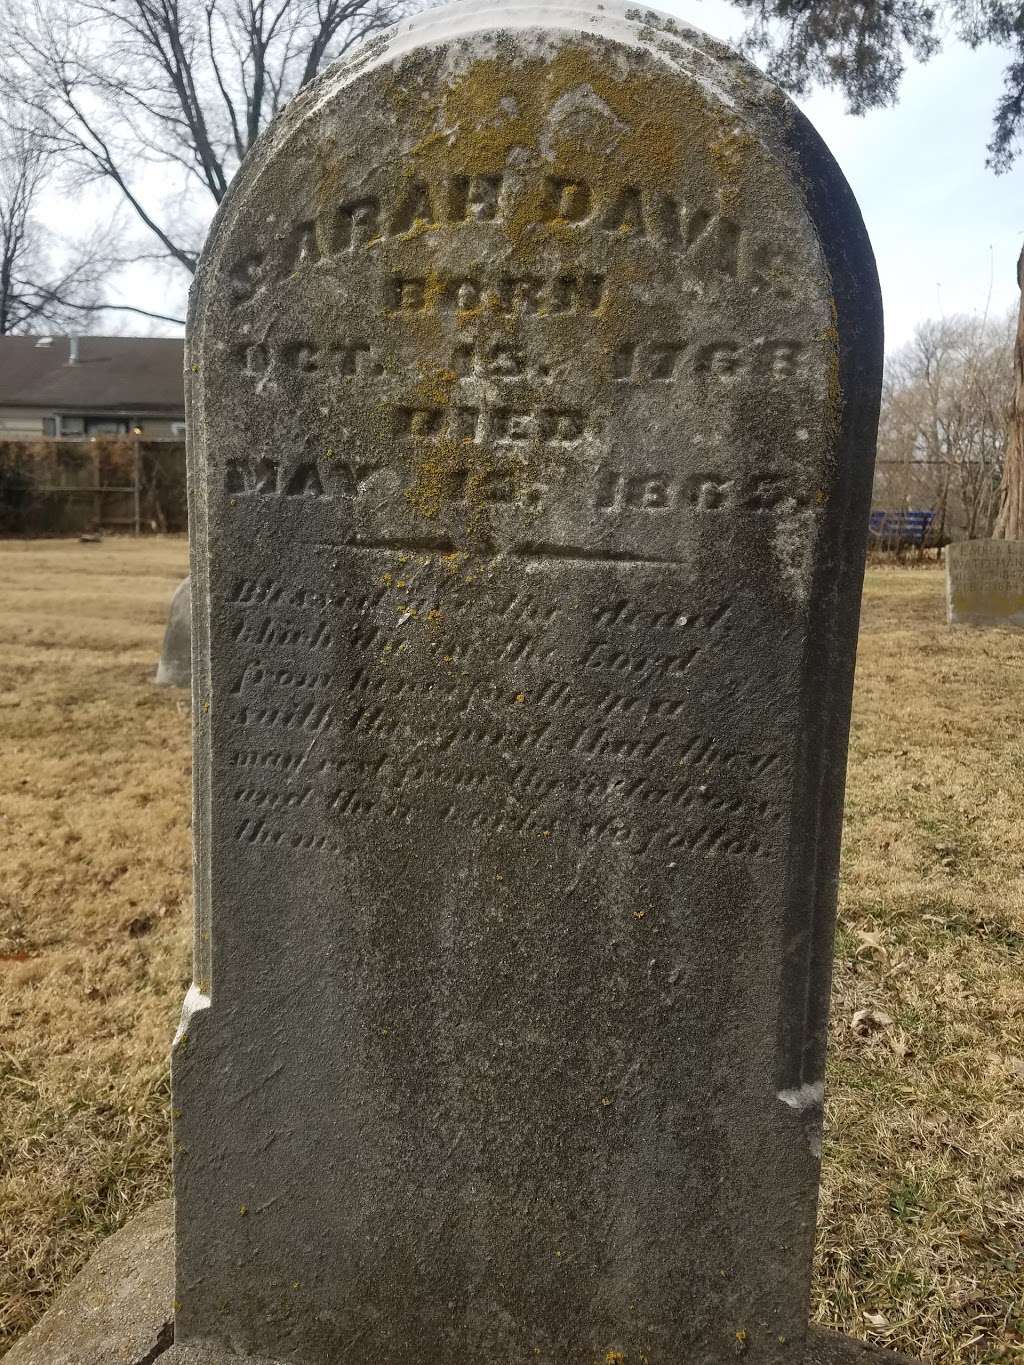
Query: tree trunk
point(1010, 521)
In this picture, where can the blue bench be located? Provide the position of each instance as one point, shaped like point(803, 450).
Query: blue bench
point(894, 530)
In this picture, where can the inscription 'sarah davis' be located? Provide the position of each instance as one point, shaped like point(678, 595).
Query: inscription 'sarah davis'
point(534, 367)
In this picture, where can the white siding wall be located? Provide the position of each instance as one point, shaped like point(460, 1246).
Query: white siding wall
point(21, 421)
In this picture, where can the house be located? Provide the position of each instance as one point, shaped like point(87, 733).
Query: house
point(91, 386)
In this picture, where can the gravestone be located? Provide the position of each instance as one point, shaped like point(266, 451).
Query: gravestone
point(175, 667)
point(985, 583)
point(534, 368)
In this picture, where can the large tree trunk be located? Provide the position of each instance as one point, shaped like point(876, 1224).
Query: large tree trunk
point(1010, 522)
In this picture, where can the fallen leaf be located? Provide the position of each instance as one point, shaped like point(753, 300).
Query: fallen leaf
point(866, 1023)
point(870, 942)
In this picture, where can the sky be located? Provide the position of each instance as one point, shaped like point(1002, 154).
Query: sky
point(946, 230)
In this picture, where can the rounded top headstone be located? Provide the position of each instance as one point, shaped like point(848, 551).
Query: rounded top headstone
point(601, 175)
point(533, 375)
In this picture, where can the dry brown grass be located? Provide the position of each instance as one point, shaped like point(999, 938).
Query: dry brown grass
point(922, 1241)
point(923, 1202)
point(94, 887)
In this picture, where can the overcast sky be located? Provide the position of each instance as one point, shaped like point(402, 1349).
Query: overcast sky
point(946, 231)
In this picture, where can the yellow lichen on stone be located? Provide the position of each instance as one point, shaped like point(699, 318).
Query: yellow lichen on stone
point(589, 123)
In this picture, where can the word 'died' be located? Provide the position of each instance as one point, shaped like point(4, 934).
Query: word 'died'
point(548, 426)
point(708, 241)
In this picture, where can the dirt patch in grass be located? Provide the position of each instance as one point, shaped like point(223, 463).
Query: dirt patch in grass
point(922, 1214)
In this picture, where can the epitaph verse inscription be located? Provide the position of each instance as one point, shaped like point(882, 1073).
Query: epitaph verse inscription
point(529, 399)
point(407, 700)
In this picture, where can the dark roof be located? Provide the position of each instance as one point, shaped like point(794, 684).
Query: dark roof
point(113, 374)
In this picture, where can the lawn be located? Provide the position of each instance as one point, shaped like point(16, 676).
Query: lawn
point(922, 1220)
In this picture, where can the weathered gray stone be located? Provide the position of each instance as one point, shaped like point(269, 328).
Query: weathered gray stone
point(985, 583)
point(534, 367)
point(119, 1311)
point(175, 667)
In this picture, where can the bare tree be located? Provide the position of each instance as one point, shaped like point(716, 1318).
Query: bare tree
point(43, 285)
point(861, 47)
point(943, 435)
point(119, 87)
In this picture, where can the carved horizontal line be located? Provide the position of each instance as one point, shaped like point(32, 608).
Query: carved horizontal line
point(542, 550)
point(583, 553)
point(423, 545)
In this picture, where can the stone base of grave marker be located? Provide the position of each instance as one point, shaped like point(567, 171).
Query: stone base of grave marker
point(175, 669)
point(119, 1311)
point(823, 1348)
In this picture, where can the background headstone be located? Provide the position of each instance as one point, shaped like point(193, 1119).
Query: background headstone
point(985, 583)
point(535, 360)
point(175, 667)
